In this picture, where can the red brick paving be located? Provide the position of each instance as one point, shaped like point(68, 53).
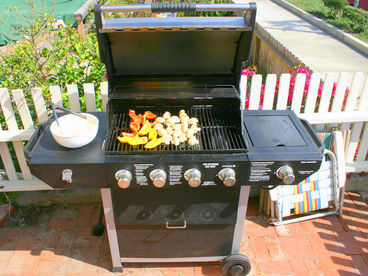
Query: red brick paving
point(324, 246)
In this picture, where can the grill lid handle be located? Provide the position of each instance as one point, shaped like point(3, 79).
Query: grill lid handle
point(173, 7)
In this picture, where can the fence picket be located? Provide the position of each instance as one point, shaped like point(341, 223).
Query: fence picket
point(7, 161)
point(325, 100)
point(26, 118)
point(310, 103)
point(12, 125)
point(89, 94)
point(23, 110)
point(255, 92)
point(4, 150)
point(269, 95)
point(243, 90)
point(357, 127)
point(8, 110)
point(73, 96)
point(39, 104)
point(363, 148)
point(283, 93)
point(339, 94)
point(56, 97)
point(298, 93)
point(104, 94)
point(353, 95)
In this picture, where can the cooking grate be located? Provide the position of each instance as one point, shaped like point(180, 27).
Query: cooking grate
point(219, 134)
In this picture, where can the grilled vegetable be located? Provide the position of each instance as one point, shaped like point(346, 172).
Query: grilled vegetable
point(128, 134)
point(160, 120)
point(138, 141)
point(132, 114)
point(171, 129)
point(152, 134)
point(139, 119)
point(123, 139)
point(149, 115)
point(145, 129)
point(134, 127)
point(153, 143)
point(166, 115)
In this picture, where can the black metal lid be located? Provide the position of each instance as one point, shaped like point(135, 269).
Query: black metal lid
point(174, 45)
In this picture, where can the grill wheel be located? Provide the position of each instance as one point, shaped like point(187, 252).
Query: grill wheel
point(235, 265)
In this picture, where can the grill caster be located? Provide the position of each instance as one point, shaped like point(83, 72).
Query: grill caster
point(235, 265)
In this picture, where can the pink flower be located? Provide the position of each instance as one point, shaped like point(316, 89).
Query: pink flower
point(244, 71)
point(105, 76)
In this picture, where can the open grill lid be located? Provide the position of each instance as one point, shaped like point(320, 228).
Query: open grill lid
point(158, 47)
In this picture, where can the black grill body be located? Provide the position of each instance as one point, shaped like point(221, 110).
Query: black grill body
point(169, 64)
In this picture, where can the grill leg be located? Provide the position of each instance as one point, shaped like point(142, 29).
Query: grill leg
point(242, 211)
point(111, 230)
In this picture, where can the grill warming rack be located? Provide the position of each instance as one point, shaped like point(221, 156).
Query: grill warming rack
point(219, 134)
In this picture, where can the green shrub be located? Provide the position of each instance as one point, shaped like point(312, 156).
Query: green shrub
point(344, 23)
point(336, 6)
point(64, 58)
point(359, 16)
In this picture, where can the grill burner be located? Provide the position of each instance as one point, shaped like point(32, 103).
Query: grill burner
point(219, 132)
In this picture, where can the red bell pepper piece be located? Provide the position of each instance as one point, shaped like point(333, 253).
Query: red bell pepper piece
point(139, 119)
point(134, 126)
point(150, 115)
point(132, 114)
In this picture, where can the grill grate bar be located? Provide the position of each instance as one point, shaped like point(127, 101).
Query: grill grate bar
point(233, 139)
point(219, 133)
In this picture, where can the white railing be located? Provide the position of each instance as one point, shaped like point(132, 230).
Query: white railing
point(351, 114)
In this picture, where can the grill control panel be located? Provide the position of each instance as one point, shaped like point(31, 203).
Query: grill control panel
point(191, 175)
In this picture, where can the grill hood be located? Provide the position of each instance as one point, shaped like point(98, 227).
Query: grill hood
point(158, 48)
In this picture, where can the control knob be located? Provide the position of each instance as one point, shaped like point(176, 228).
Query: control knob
point(66, 175)
point(193, 176)
point(227, 176)
point(123, 177)
point(158, 178)
point(286, 173)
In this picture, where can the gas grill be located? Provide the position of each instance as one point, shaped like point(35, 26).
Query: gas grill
point(179, 203)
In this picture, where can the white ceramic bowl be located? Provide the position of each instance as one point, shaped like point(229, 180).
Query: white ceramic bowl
point(74, 131)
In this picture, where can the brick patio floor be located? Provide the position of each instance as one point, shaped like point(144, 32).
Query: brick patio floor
point(62, 244)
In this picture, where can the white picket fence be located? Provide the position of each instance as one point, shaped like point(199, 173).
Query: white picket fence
point(353, 116)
